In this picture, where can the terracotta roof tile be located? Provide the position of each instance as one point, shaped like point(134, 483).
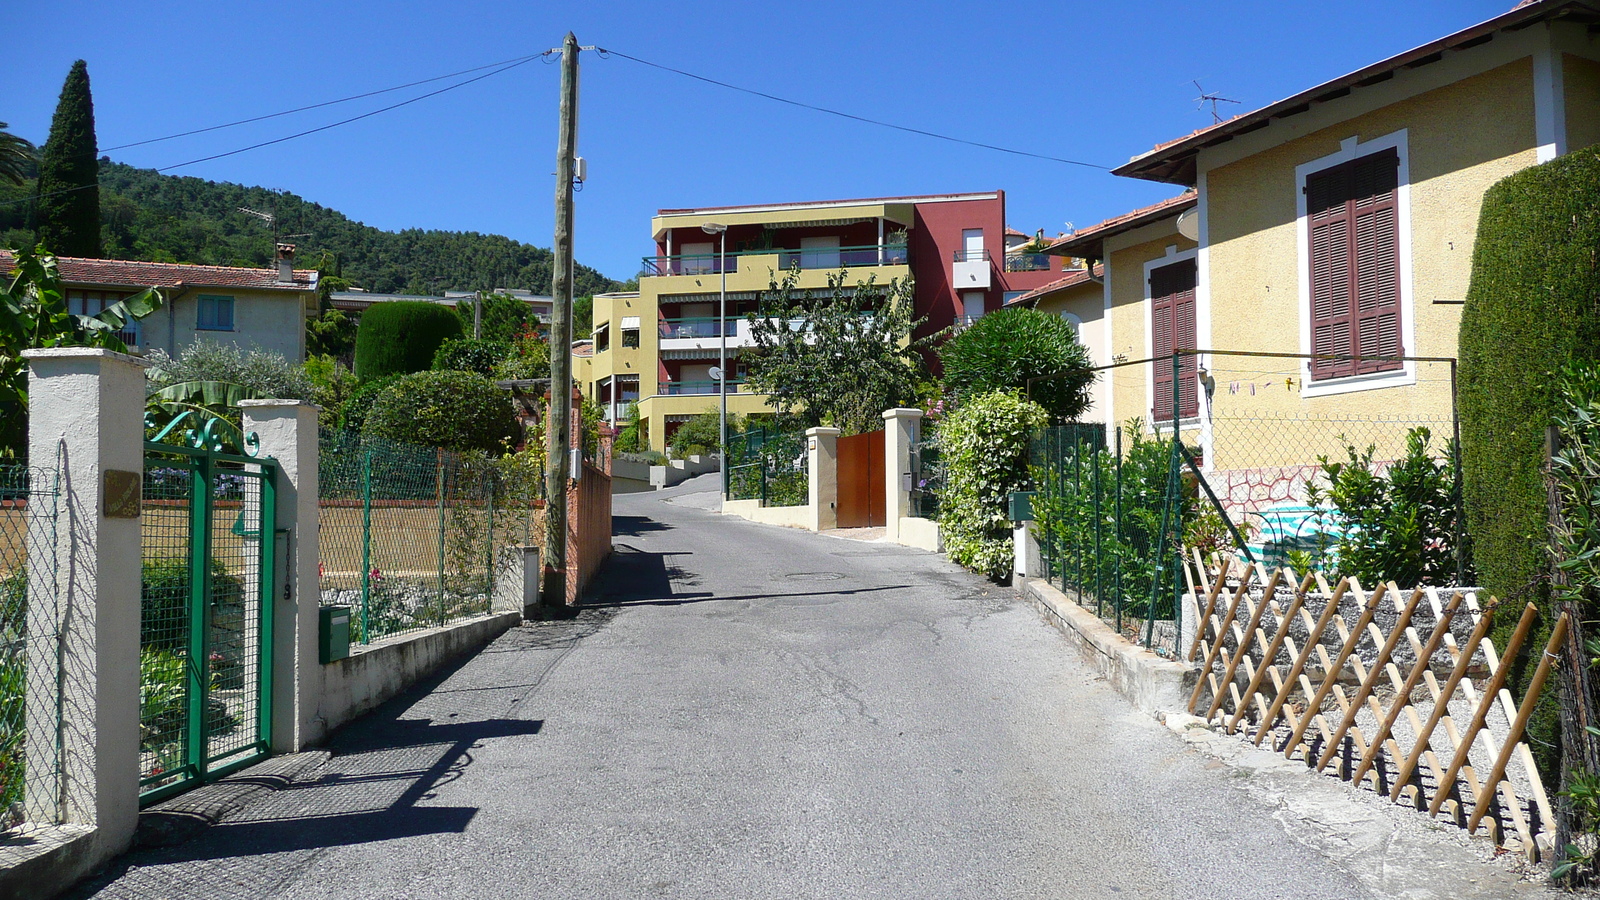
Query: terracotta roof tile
point(1072, 279)
point(1128, 219)
point(128, 273)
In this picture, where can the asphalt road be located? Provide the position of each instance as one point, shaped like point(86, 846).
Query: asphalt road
point(750, 711)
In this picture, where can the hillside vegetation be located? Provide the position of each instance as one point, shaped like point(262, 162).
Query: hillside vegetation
point(167, 218)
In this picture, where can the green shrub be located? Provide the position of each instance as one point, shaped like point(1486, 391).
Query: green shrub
point(470, 355)
point(401, 337)
point(1397, 525)
point(164, 600)
point(504, 316)
point(13, 604)
point(453, 410)
point(1004, 349)
point(701, 434)
point(353, 414)
point(529, 359)
point(634, 436)
point(261, 373)
point(1529, 312)
point(984, 446)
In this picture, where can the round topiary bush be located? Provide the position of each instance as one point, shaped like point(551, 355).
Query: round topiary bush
point(1004, 349)
point(353, 414)
point(470, 355)
point(401, 337)
point(453, 410)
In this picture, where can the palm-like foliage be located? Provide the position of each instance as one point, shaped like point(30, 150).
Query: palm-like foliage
point(17, 156)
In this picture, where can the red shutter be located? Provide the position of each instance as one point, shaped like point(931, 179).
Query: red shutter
point(1355, 265)
point(1172, 311)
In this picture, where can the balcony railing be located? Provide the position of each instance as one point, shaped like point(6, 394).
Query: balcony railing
point(1027, 262)
point(682, 388)
point(788, 258)
point(969, 256)
point(698, 327)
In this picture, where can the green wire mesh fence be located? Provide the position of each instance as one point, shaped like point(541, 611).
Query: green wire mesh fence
point(29, 639)
point(1109, 513)
point(768, 465)
point(414, 537)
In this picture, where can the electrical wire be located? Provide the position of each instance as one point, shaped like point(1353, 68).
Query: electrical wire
point(300, 134)
point(606, 53)
point(301, 109)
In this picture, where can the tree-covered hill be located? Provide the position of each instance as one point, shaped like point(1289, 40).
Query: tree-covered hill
point(149, 216)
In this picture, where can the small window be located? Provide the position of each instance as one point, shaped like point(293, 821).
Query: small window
point(630, 338)
point(216, 314)
point(602, 337)
point(1011, 296)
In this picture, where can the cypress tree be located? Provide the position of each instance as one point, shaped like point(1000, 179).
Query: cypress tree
point(68, 198)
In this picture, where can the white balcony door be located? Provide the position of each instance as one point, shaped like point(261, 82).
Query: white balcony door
point(972, 244)
point(971, 307)
point(819, 253)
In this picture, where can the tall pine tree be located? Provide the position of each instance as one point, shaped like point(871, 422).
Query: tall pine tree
point(68, 198)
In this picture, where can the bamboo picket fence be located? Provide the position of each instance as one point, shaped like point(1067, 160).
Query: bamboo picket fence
point(1374, 686)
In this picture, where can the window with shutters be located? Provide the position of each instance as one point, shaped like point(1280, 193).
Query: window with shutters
point(1353, 223)
point(1172, 327)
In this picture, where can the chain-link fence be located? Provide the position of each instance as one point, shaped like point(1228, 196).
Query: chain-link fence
point(768, 465)
point(29, 644)
point(414, 537)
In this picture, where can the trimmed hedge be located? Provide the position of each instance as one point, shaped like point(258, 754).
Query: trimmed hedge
point(401, 337)
point(453, 410)
point(1529, 310)
point(470, 355)
point(353, 414)
point(1004, 349)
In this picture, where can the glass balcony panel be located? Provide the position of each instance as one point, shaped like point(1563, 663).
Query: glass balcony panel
point(700, 388)
point(698, 327)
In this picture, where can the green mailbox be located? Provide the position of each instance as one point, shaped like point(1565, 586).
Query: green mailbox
point(333, 633)
point(1021, 506)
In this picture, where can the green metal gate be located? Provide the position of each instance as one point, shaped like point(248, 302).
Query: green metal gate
point(205, 632)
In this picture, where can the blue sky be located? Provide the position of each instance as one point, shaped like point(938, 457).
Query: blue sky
point(1097, 82)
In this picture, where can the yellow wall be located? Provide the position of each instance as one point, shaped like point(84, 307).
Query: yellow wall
point(1087, 302)
point(1129, 385)
point(1582, 84)
point(1461, 139)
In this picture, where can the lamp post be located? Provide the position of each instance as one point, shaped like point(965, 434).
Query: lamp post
point(721, 231)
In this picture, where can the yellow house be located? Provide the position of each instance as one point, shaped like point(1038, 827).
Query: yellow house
point(1336, 228)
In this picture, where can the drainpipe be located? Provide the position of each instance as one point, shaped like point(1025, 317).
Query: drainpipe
point(1090, 261)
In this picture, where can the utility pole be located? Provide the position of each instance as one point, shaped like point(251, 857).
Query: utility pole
point(477, 315)
point(558, 429)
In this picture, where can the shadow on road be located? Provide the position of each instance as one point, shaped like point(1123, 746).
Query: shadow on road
point(634, 577)
point(633, 526)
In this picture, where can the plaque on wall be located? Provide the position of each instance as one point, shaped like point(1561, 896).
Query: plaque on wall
point(121, 495)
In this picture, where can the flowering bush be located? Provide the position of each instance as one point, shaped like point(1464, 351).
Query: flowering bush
point(984, 448)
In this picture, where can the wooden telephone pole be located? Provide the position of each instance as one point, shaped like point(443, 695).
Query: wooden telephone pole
point(558, 429)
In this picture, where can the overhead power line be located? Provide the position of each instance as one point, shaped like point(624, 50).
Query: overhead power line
point(605, 52)
point(309, 131)
point(300, 109)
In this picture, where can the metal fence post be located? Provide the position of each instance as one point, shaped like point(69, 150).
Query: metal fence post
point(440, 470)
point(1117, 536)
point(366, 546)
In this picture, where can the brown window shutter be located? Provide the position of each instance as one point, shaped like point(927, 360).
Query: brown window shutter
point(1355, 265)
point(1172, 311)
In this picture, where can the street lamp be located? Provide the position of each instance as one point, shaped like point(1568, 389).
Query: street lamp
point(721, 231)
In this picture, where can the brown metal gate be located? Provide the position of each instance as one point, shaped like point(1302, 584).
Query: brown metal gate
point(861, 489)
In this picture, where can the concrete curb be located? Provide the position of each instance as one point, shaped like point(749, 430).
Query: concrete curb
point(181, 818)
point(1153, 684)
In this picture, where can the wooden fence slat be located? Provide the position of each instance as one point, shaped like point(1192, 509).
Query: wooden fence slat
point(1331, 674)
point(1370, 681)
point(1211, 606)
point(1535, 687)
point(1441, 626)
point(1220, 636)
point(1244, 640)
point(1481, 714)
point(1297, 670)
point(1270, 654)
point(1441, 707)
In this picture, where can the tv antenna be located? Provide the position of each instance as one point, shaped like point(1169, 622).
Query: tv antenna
point(1213, 99)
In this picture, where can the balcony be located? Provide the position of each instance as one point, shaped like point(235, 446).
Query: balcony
point(700, 327)
point(1027, 262)
point(787, 258)
point(698, 388)
point(971, 270)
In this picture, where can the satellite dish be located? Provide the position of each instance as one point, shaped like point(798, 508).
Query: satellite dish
point(1189, 224)
point(716, 373)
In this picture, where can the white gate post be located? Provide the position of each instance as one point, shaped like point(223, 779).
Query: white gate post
point(288, 433)
point(822, 458)
point(900, 427)
point(86, 419)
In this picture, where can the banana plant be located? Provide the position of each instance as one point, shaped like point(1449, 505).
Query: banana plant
point(34, 314)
